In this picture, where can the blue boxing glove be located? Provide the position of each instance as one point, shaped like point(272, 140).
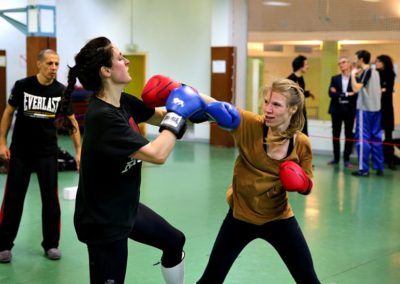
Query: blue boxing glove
point(181, 104)
point(199, 117)
point(225, 114)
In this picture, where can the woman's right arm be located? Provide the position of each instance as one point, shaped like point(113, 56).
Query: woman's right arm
point(158, 150)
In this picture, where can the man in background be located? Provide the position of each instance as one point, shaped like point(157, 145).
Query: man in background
point(366, 82)
point(342, 109)
point(34, 149)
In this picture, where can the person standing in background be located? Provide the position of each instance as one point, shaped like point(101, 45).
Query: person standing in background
point(34, 148)
point(384, 65)
point(300, 67)
point(342, 109)
point(368, 115)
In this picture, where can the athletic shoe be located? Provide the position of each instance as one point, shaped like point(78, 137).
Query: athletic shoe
point(332, 162)
point(53, 254)
point(392, 166)
point(5, 256)
point(360, 173)
point(348, 165)
point(379, 173)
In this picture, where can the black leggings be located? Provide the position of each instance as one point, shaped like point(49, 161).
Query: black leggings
point(108, 261)
point(388, 150)
point(284, 235)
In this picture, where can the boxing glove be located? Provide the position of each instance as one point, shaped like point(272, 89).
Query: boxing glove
point(224, 114)
point(199, 117)
point(181, 104)
point(157, 90)
point(293, 178)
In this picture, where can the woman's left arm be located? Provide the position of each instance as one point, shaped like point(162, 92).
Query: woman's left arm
point(157, 117)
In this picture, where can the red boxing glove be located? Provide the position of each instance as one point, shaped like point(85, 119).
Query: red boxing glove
point(293, 178)
point(157, 89)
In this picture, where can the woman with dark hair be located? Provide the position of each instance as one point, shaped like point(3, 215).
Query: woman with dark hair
point(384, 65)
point(107, 210)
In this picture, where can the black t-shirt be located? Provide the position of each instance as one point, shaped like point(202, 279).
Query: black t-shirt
point(109, 182)
point(300, 81)
point(34, 132)
point(364, 76)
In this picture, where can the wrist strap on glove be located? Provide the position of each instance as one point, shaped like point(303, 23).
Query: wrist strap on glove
point(174, 123)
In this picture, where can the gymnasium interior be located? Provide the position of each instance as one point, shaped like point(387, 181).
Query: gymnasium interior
point(227, 49)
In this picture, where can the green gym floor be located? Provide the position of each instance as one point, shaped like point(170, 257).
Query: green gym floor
point(352, 225)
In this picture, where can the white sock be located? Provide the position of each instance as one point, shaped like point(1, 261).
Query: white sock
point(176, 274)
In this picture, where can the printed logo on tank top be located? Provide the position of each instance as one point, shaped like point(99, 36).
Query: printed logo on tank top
point(40, 107)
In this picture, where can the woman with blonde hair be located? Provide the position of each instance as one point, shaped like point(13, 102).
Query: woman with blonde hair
point(274, 159)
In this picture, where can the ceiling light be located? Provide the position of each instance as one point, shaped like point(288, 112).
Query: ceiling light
point(255, 46)
point(372, 1)
point(297, 42)
point(276, 3)
point(360, 42)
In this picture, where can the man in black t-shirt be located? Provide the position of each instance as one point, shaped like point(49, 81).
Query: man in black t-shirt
point(33, 148)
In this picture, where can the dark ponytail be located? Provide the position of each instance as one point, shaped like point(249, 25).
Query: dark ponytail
point(62, 122)
point(94, 55)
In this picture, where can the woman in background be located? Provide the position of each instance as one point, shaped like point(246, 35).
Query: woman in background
point(384, 65)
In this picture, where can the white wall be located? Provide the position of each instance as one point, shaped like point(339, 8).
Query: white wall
point(176, 35)
point(239, 39)
point(79, 21)
point(14, 42)
point(222, 23)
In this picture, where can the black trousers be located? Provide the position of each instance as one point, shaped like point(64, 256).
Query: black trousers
point(108, 261)
point(305, 127)
point(388, 150)
point(284, 235)
point(19, 174)
point(346, 117)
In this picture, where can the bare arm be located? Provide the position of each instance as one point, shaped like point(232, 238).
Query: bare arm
point(207, 98)
point(5, 125)
point(159, 113)
point(158, 150)
point(354, 84)
point(76, 140)
point(157, 117)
